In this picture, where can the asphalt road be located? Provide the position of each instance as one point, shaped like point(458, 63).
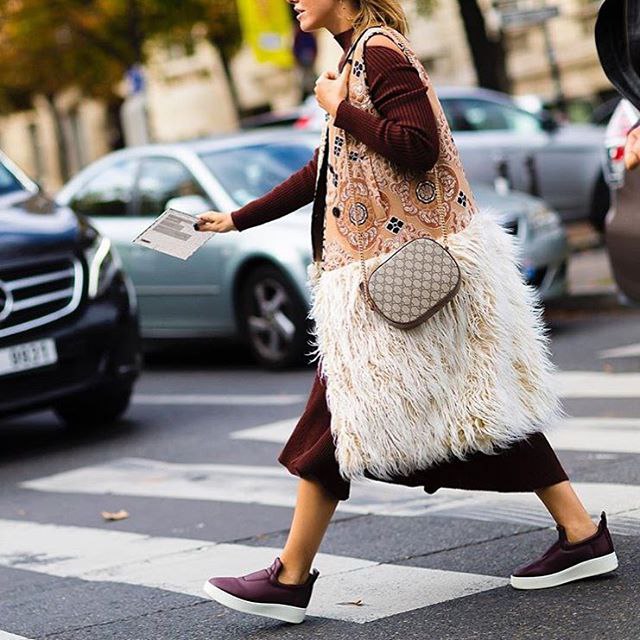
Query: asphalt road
point(194, 465)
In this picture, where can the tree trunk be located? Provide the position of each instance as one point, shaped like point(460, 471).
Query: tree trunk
point(61, 138)
point(136, 37)
point(489, 56)
point(226, 66)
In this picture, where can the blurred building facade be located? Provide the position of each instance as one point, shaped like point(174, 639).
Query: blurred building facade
point(188, 94)
point(572, 37)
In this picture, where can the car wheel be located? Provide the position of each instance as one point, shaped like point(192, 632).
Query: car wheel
point(94, 409)
point(272, 318)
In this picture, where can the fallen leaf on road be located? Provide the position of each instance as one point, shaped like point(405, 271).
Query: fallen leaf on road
point(115, 515)
point(355, 603)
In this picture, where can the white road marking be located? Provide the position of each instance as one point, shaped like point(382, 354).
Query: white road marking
point(273, 486)
point(598, 384)
point(182, 566)
point(572, 384)
point(4, 635)
point(277, 432)
point(614, 435)
point(628, 351)
point(216, 399)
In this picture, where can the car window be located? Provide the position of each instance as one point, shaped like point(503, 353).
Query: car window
point(246, 173)
point(482, 115)
point(8, 182)
point(449, 112)
point(162, 179)
point(109, 192)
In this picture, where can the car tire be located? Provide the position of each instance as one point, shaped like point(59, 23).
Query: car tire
point(272, 318)
point(95, 409)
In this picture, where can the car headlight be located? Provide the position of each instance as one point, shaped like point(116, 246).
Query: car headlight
point(103, 262)
point(542, 218)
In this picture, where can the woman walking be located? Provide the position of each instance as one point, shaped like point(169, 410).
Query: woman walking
point(458, 400)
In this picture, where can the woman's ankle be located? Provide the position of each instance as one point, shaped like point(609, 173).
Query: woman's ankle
point(292, 574)
point(579, 531)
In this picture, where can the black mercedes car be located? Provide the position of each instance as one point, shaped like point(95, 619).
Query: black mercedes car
point(68, 320)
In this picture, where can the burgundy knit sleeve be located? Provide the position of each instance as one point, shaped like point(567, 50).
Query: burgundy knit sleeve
point(405, 132)
point(296, 191)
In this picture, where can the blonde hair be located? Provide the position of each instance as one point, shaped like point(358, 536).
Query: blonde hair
point(373, 12)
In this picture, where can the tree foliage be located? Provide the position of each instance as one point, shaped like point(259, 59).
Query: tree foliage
point(49, 45)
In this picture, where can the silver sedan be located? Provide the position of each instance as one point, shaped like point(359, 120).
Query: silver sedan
point(248, 286)
point(497, 139)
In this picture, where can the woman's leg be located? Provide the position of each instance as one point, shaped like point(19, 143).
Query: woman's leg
point(567, 510)
point(313, 512)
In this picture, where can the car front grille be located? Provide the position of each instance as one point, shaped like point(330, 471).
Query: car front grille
point(511, 227)
point(36, 294)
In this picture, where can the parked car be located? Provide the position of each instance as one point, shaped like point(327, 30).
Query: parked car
point(68, 322)
point(273, 118)
point(252, 285)
point(622, 226)
point(497, 138)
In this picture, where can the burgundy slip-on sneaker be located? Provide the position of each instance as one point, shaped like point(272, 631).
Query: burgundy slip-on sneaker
point(565, 561)
point(262, 594)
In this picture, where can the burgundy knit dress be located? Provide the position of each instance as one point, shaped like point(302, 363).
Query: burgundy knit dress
point(405, 132)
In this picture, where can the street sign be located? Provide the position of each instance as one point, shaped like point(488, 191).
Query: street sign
point(528, 17)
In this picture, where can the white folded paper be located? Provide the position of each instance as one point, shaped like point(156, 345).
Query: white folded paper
point(172, 233)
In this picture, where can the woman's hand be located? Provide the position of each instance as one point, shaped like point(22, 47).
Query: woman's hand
point(331, 89)
point(215, 221)
point(632, 150)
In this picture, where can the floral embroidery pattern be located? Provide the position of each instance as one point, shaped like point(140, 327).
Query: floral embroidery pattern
point(426, 191)
point(395, 225)
point(381, 191)
point(358, 213)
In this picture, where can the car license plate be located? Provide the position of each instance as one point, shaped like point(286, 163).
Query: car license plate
point(29, 355)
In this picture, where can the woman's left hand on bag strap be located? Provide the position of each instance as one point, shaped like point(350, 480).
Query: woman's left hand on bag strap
point(632, 149)
point(331, 89)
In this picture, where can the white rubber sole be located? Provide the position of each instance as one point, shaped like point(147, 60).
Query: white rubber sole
point(586, 569)
point(283, 612)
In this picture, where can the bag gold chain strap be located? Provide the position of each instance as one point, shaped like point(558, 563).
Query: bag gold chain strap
point(439, 208)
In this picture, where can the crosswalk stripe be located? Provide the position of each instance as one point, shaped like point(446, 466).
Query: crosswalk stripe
point(628, 351)
point(181, 565)
point(598, 384)
point(216, 399)
point(572, 384)
point(616, 435)
point(277, 432)
point(273, 486)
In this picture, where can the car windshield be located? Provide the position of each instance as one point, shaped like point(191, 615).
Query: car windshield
point(8, 182)
point(246, 173)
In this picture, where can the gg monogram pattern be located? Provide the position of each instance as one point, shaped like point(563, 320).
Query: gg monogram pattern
point(423, 268)
point(400, 204)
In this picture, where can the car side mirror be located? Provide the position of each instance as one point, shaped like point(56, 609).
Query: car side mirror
point(548, 122)
point(189, 204)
